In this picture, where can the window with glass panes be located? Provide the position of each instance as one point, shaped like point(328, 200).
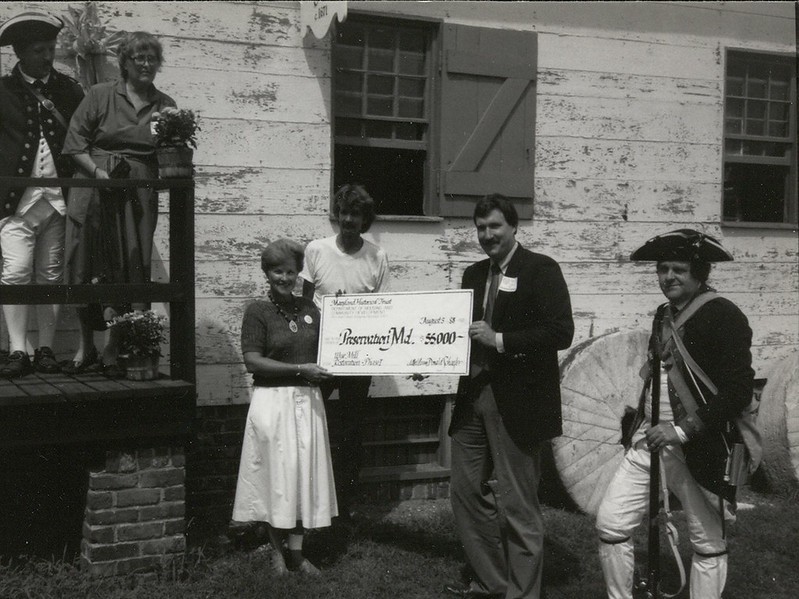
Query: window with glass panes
point(760, 138)
point(382, 87)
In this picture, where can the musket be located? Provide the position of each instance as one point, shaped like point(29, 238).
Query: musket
point(653, 549)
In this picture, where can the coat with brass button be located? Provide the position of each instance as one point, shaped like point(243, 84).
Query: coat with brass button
point(21, 121)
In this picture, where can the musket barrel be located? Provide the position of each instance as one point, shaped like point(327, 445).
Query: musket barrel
point(653, 549)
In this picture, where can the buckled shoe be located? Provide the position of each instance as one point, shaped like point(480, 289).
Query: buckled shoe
point(44, 361)
point(18, 364)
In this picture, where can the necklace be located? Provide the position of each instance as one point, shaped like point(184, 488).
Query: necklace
point(292, 320)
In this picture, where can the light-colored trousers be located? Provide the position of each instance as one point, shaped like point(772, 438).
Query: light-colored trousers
point(625, 505)
point(33, 246)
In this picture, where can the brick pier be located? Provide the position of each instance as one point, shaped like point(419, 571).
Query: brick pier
point(135, 508)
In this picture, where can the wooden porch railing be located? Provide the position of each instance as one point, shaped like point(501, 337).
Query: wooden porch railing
point(58, 408)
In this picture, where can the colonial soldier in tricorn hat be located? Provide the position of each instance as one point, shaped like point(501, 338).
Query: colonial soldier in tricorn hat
point(36, 103)
point(703, 342)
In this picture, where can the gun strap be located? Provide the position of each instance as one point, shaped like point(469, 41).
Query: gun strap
point(47, 104)
point(687, 358)
point(672, 535)
point(671, 333)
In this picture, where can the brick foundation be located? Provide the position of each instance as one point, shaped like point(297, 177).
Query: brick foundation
point(135, 511)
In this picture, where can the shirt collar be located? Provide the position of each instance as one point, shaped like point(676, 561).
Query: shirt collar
point(503, 266)
point(29, 80)
point(152, 94)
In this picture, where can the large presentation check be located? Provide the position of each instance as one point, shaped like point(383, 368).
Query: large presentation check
point(423, 332)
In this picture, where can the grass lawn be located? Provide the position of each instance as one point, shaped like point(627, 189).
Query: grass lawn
point(409, 550)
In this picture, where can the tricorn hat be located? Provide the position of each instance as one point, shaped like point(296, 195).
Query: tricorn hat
point(683, 245)
point(30, 27)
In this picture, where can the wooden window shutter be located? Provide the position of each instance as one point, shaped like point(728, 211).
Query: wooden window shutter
point(487, 118)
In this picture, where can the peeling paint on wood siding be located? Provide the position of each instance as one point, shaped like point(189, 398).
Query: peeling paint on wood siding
point(660, 23)
point(257, 190)
point(628, 119)
point(232, 22)
point(221, 95)
point(589, 84)
point(248, 58)
point(240, 143)
point(628, 145)
point(565, 241)
point(627, 160)
point(588, 199)
point(640, 58)
point(244, 279)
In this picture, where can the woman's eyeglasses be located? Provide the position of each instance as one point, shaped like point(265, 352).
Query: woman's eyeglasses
point(142, 59)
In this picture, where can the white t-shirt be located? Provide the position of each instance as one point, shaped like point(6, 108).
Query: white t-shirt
point(332, 271)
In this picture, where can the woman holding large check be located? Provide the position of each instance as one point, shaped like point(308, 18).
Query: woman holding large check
point(285, 475)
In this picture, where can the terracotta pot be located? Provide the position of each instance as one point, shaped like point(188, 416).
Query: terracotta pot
point(141, 368)
point(175, 163)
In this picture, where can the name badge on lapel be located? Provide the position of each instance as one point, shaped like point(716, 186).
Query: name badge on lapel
point(508, 284)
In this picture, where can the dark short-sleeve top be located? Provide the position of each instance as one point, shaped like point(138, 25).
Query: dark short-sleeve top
point(267, 332)
point(106, 119)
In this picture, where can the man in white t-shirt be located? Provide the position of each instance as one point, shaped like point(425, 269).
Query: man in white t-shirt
point(341, 264)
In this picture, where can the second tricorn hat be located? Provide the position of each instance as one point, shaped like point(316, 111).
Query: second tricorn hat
point(683, 245)
point(29, 27)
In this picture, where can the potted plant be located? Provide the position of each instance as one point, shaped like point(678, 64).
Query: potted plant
point(140, 337)
point(175, 137)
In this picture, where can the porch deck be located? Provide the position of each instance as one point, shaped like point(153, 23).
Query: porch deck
point(59, 408)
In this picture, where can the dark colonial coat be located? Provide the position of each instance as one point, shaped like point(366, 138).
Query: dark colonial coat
point(719, 339)
point(20, 122)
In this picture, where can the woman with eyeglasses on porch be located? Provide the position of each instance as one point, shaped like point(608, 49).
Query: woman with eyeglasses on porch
point(109, 234)
point(286, 474)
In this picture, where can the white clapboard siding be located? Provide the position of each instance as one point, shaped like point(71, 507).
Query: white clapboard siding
point(697, 24)
point(237, 236)
point(587, 199)
point(771, 288)
point(627, 160)
point(232, 142)
point(245, 23)
point(243, 278)
point(246, 57)
point(252, 97)
point(639, 119)
point(628, 139)
point(615, 85)
point(262, 190)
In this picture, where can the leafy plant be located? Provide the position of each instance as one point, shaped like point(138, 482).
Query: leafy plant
point(141, 333)
point(176, 128)
point(84, 33)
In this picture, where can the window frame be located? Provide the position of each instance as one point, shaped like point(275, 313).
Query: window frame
point(790, 204)
point(430, 199)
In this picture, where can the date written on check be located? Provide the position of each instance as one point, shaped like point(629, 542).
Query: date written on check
point(396, 333)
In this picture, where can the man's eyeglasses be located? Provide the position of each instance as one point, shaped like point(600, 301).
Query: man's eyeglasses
point(141, 60)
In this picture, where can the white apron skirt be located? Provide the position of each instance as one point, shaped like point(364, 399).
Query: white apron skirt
point(285, 474)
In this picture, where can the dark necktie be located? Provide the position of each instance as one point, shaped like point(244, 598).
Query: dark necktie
point(479, 352)
point(493, 286)
point(39, 84)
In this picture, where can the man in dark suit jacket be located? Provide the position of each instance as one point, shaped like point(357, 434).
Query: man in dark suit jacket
point(507, 407)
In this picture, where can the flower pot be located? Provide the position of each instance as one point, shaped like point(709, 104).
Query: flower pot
point(141, 368)
point(175, 163)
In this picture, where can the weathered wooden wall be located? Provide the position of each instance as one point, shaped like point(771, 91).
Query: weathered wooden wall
point(628, 144)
